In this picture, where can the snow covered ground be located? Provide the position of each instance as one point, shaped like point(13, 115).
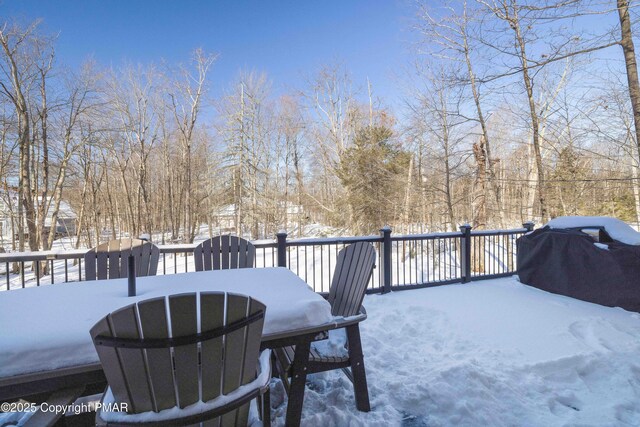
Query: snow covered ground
point(493, 352)
point(487, 353)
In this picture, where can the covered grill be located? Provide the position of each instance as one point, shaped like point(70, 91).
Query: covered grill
point(594, 259)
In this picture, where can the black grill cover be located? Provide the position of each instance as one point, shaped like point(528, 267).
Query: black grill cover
point(567, 262)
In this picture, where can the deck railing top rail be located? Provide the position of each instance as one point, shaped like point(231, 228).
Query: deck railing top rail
point(332, 240)
point(404, 261)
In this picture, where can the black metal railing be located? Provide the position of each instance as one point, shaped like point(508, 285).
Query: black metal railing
point(404, 261)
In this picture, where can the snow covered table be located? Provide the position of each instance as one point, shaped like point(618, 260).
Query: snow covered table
point(45, 342)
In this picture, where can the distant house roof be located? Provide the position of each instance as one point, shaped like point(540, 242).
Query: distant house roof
point(230, 210)
point(65, 211)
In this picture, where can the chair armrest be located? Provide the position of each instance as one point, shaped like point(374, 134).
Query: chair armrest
point(352, 320)
point(312, 333)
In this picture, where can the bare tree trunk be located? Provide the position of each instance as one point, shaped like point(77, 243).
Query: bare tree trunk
point(490, 173)
point(25, 144)
point(631, 65)
point(448, 192)
point(300, 194)
point(635, 183)
point(186, 108)
point(480, 187)
point(408, 192)
point(480, 203)
point(535, 125)
point(82, 213)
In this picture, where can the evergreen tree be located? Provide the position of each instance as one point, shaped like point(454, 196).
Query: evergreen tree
point(372, 171)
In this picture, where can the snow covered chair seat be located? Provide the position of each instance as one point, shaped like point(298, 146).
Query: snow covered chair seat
point(185, 359)
point(353, 271)
point(109, 260)
point(595, 259)
point(333, 352)
point(224, 252)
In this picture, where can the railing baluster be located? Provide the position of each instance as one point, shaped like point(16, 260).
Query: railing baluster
point(397, 282)
point(412, 270)
point(447, 246)
point(322, 269)
point(422, 262)
point(313, 268)
point(305, 265)
point(493, 246)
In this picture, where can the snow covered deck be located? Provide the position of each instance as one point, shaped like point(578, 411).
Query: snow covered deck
point(493, 352)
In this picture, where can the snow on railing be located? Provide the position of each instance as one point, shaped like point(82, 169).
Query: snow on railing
point(404, 261)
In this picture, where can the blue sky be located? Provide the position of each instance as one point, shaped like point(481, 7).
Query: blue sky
point(286, 39)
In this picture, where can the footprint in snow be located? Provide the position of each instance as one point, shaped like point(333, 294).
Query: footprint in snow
point(584, 333)
point(413, 421)
point(562, 404)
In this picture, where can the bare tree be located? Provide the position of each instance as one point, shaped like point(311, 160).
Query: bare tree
point(186, 101)
point(18, 77)
point(290, 129)
point(453, 41)
point(133, 95)
point(246, 129)
point(438, 124)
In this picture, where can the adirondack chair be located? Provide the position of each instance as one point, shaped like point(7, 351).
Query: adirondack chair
point(109, 260)
point(167, 373)
point(352, 273)
point(224, 252)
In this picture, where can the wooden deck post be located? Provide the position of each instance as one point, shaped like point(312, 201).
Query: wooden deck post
point(386, 263)
point(465, 255)
point(281, 238)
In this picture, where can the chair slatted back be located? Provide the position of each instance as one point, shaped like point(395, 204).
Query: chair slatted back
point(353, 271)
point(157, 376)
point(224, 252)
point(110, 260)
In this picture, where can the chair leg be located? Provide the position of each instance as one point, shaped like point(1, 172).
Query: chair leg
point(298, 382)
point(260, 405)
point(266, 408)
point(357, 369)
point(283, 371)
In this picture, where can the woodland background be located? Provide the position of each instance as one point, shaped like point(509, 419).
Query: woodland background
point(513, 111)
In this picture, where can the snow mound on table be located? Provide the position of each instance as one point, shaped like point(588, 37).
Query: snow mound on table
point(617, 229)
point(494, 352)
